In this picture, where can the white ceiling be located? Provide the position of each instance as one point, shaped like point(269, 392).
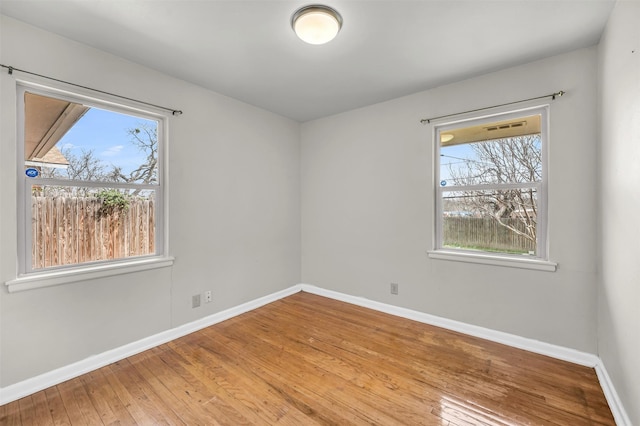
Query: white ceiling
point(386, 49)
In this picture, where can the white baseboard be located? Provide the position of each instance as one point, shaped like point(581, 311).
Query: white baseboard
point(52, 378)
point(615, 404)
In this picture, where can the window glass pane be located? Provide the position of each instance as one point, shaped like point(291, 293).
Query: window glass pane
point(67, 140)
point(73, 224)
point(490, 220)
point(493, 153)
point(513, 160)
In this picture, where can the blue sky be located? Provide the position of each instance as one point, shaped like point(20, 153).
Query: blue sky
point(105, 132)
point(458, 151)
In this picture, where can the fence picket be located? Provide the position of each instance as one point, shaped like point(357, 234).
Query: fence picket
point(485, 233)
point(69, 230)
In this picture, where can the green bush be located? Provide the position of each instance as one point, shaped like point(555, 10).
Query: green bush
point(112, 201)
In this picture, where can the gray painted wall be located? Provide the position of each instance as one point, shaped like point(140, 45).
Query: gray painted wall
point(234, 212)
point(367, 207)
point(619, 153)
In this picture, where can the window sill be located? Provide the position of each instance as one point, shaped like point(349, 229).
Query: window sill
point(66, 276)
point(487, 259)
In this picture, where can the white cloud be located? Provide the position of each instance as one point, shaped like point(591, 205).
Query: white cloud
point(112, 151)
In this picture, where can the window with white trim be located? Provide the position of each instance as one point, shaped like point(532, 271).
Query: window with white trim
point(90, 181)
point(491, 186)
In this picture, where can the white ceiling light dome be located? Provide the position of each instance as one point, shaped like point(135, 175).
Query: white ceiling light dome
point(316, 24)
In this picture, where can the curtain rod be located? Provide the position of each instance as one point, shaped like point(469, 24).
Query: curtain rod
point(552, 96)
point(12, 69)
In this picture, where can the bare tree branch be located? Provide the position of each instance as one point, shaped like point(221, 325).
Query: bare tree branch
point(510, 160)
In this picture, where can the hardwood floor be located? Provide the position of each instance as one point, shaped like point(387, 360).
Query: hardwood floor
point(307, 359)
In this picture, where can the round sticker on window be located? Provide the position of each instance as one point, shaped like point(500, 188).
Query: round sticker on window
point(443, 183)
point(31, 172)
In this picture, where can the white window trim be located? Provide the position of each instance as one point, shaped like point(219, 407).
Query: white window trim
point(27, 279)
point(541, 261)
point(84, 272)
point(495, 260)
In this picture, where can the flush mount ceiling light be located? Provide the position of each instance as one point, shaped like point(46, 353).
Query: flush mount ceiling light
point(316, 24)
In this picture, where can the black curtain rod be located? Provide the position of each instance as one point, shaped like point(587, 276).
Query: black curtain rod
point(552, 96)
point(12, 69)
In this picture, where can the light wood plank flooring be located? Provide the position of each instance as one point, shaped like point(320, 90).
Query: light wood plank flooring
point(307, 360)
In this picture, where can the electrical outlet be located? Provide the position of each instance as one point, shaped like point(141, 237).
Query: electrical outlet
point(394, 288)
point(207, 296)
point(195, 301)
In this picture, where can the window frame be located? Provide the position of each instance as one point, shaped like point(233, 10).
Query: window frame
point(540, 261)
point(32, 278)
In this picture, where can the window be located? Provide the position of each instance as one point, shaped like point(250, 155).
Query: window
point(491, 186)
point(90, 182)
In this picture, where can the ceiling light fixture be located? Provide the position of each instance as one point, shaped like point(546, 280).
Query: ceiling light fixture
point(316, 24)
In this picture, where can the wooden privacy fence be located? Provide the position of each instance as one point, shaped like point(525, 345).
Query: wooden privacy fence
point(71, 230)
point(485, 233)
